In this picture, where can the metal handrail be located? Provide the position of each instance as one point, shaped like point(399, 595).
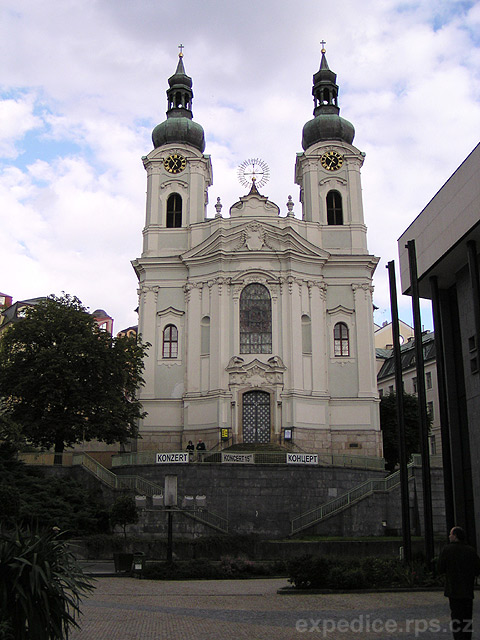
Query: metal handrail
point(140, 485)
point(208, 518)
point(260, 457)
point(98, 470)
point(314, 516)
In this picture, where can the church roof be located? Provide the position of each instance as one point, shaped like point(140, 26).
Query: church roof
point(179, 126)
point(327, 123)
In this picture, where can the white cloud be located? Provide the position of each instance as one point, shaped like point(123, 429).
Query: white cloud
point(87, 82)
point(16, 119)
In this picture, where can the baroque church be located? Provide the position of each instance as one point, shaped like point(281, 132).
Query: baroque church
point(260, 324)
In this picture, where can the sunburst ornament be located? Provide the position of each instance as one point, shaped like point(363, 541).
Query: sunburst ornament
point(253, 171)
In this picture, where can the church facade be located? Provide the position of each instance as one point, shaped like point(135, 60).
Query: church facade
point(260, 324)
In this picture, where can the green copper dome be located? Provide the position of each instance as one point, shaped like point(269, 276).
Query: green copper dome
point(327, 123)
point(179, 126)
point(182, 130)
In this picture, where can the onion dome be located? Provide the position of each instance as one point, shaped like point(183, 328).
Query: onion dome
point(179, 126)
point(327, 124)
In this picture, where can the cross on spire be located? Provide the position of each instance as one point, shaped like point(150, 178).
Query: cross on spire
point(181, 47)
point(323, 43)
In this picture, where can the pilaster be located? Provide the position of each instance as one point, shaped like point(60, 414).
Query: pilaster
point(318, 291)
point(364, 339)
point(193, 337)
point(148, 331)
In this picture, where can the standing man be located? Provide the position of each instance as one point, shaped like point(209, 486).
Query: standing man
point(460, 564)
point(200, 448)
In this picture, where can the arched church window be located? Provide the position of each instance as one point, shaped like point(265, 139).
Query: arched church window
point(174, 211)
point(170, 341)
point(334, 208)
point(341, 341)
point(255, 319)
point(306, 334)
point(205, 336)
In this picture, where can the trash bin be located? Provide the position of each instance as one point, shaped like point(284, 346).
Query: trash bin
point(138, 564)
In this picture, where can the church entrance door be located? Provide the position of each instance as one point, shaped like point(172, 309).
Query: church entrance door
point(256, 417)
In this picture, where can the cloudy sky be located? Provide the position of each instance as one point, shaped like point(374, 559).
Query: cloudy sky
point(83, 83)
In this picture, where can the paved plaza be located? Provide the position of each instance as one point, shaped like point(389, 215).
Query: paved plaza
point(131, 609)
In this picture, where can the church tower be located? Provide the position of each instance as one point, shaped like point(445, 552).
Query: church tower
point(328, 172)
point(178, 177)
point(260, 323)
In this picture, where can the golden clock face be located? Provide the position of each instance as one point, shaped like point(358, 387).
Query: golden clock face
point(175, 163)
point(331, 160)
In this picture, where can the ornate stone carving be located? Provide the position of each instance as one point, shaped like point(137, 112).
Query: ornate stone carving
point(366, 287)
point(254, 237)
point(175, 185)
point(169, 363)
point(255, 373)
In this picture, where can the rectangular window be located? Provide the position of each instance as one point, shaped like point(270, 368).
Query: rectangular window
point(390, 389)
point(430, 409)
point(428, 379)
point(341, 340)
point(414, 380)
point(380, 393)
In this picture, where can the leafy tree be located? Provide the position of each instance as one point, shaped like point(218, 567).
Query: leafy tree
point(123, 512)
point(388, 424)
point(63, 380)
point(11, 438)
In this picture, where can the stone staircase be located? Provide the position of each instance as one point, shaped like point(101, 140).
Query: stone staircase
point(345, 501)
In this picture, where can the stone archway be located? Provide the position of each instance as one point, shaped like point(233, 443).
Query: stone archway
point(256, 417)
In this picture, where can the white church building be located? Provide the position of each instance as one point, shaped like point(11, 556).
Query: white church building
point(260, 325)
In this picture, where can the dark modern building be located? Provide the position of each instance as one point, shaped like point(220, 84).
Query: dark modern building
point(447, 237)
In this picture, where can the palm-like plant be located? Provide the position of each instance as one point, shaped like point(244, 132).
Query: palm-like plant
point(41, 585)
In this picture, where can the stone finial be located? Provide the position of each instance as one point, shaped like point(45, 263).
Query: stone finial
point(218, 208)
point(290, 206)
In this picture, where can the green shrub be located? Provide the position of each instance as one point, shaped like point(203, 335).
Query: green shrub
point(124, 512)
point(41, 585)
point(31, 497)
point(307, 572)
point(6, 630)
point(227, 568)
point(103, 544)
point(217, 546)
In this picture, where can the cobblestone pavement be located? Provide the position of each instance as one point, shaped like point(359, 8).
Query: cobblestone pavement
point(130, 609)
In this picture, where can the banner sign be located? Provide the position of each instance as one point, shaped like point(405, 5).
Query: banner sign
point(302, 458)
point(171, 458)
point(238, 458)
